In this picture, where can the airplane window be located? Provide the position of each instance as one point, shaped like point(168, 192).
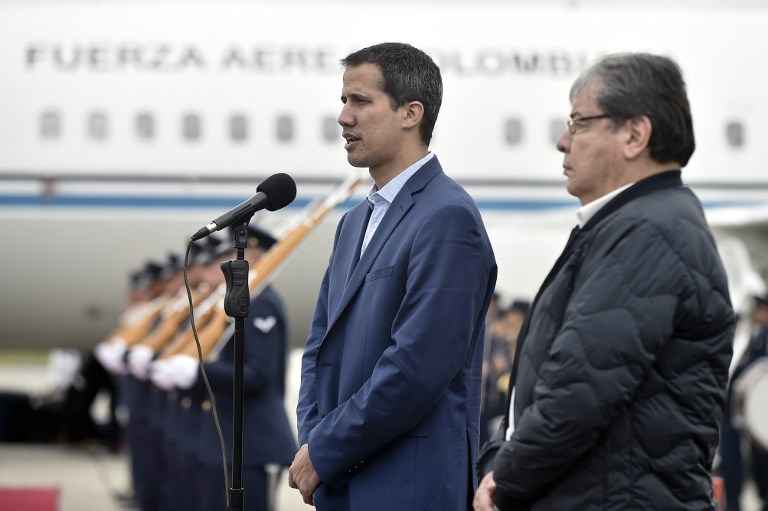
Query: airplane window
point(284, 128)
point(238, 127)
point(191, 127)
point(556, 128)
point(98, 125)
point(513, 131)
point(331, 129)
point(735, 134)
point(50, 124)
point(145, 125)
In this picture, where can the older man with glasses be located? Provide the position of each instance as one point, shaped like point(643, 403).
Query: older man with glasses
point(617, 389)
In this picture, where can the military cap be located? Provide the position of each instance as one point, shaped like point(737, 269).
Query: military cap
point(257, 237)
point(521, 306)
point(153, 271)
point(205, 250)
point(136, 279)
point(173, 265)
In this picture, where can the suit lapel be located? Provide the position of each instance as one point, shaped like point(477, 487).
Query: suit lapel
point(360, 223)
point(395, 214)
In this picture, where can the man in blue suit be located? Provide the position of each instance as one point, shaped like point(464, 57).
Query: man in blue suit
point(389, 403)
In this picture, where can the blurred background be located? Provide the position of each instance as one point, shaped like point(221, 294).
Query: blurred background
point(127, 125)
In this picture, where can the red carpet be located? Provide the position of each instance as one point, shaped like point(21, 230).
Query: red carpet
point(29, 499)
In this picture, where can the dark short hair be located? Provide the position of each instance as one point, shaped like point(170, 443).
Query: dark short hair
point(409, 75)
point(521, 306)
point(642, 84)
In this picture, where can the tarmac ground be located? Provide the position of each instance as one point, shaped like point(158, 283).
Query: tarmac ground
point(89, 477)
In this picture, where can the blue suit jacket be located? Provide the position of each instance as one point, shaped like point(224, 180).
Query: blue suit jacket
point(390, 390)
point(268, 437)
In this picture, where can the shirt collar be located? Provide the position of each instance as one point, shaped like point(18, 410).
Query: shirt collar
point(586, 212)
point(390, 190)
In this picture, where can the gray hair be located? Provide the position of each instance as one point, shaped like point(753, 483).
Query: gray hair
point(633, 85)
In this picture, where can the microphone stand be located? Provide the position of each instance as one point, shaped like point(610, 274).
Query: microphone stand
point(236, 303)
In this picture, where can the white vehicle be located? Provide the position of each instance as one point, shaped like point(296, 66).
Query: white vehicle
point(126, 126)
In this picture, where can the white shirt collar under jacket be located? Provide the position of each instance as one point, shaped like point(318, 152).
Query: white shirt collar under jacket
point(585, 213)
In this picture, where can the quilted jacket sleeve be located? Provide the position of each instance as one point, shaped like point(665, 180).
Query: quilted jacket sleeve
point(628, 297)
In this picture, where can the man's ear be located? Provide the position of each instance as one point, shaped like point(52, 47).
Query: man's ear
point(412, 114)
point(638, 136)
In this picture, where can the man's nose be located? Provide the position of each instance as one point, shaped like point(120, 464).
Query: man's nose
point(346, 119)
point(564, 142)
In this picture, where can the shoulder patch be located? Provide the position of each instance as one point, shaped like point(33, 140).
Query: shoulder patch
point(264, 325)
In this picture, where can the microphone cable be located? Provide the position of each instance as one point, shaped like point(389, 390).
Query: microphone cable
point(209, 390)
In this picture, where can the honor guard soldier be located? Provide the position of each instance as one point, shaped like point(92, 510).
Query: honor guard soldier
point(269, 445)
point(134, 393)
point(166, 442)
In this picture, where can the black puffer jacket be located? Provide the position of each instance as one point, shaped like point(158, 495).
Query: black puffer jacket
point(623, 365)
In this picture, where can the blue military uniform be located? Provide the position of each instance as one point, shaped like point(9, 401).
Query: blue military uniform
point(188, 421)
point(733, 462)
point(140, 435)
point(151, 432)
point(268, 439)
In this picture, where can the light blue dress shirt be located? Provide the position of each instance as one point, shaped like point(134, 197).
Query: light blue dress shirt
point(381, 199)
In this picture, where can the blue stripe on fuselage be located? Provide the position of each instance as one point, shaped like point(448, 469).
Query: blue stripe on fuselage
point(176, 202)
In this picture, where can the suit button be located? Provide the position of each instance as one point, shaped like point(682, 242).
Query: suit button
point(206, 406)
point(186, 403)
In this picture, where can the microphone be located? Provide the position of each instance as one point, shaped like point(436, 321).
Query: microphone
point(275, 192)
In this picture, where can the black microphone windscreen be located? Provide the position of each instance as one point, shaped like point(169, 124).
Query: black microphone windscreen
point(280, 190)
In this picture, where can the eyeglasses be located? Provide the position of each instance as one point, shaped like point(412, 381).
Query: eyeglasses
point(574, 125)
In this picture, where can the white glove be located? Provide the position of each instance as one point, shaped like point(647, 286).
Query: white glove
point(110, 354)
point(184, 369)
point(63, 366)
point(139, 359)
point(749, 378)
point(161, 374)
